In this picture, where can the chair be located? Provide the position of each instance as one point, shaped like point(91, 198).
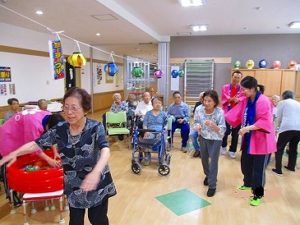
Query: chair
point(32, 197)
point(116, 123)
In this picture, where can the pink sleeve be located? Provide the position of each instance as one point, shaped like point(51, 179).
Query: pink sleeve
point(264, 119)
point(235, 116)
point(225, 97)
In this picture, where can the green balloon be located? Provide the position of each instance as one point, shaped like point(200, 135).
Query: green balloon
point(137, 72)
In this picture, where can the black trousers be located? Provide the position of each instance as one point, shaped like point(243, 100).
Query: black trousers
point(97, 215)
point(292, 137)
point(253, 168)
point(234, 137)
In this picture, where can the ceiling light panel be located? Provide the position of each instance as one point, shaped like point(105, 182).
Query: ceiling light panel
point(188, 3)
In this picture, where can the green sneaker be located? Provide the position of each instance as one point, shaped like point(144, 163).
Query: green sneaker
point(244, 188)
point(254, 201)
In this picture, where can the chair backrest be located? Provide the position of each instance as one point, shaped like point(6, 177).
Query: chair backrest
point(119, 117)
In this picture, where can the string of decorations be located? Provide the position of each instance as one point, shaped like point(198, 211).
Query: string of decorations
point(78, 60)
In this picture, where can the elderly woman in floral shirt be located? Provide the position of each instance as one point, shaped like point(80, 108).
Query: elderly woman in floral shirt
point(84, 157)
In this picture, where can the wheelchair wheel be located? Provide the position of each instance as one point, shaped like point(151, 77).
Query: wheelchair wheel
point(168, 158)
point(136, 168)
point(163, 170)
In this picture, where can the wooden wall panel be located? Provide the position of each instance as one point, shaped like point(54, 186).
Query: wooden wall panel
point(271, 79)
point(288, 81)
point(104, 100)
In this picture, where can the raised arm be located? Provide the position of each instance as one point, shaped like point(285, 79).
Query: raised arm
point(23, 150)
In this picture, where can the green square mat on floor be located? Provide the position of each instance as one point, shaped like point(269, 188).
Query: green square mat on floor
point(182, 201)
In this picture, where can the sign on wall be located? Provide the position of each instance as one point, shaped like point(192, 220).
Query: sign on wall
point(99, 74)
point(3, 90)
point(57, 59)
point(5, 74)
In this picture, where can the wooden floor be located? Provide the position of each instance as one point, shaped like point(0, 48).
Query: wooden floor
point(135, 203)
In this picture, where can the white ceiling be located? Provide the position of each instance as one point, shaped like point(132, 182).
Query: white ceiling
point(138, 25)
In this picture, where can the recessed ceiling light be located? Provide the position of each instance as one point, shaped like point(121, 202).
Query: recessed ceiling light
point(98, 34)
point(197, 28)
point(295, 24)
point(257, 8)
point(188, 3)
point(39, 12)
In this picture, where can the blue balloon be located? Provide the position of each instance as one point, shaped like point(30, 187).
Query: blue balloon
point(111, 69)
point(175, 73)
point(262, 64)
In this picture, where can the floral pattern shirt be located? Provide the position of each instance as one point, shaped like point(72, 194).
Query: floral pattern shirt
point(79, 154)
point(217, 117)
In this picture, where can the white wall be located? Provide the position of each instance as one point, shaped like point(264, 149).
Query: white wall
point(32, 74)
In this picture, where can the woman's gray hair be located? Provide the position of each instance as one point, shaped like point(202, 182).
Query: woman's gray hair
point(287, 94)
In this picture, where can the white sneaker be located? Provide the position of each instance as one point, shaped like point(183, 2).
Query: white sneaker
point(223, 151)
point(232, 155)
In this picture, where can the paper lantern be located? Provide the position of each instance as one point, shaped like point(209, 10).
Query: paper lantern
point(276, 64)
point(111, 69)
point(292, 64)
point(158, 74)
point(174, 73)
point(262, 64)
point(76, 59)
point(237, 64)
point(181, 73)
point(137, 72)
point(249, 64)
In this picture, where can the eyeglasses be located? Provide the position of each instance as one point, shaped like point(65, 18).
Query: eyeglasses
point(72, 108)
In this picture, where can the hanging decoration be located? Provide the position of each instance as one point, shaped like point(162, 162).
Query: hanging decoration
point(180, 73)
point(57, 58)
point(174, 73)
point(77, 59)
point(137, 72)
point(237, 64)
point(249, 64)
point(158, 74)
point(276, 64)
point(262, 64)
point(111, 69)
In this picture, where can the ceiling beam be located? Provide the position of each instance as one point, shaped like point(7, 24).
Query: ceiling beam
point(119, 10)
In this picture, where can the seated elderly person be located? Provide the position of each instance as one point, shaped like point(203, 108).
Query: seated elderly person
point(43, 104)
point(154, 119)
point(14, 108)
point(117, 106)
point(180, 112)
point(143, 107)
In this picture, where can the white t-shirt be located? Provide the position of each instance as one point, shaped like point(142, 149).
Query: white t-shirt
point(142, 108)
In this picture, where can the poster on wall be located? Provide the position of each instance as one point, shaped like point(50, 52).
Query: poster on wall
point(57, 59)
point(5, 74)
point(3, 90)
point(98, 74)
point(117, 80)
point(12, 89)
point(109, 79)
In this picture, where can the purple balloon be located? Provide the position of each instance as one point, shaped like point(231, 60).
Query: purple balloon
point(158, 74)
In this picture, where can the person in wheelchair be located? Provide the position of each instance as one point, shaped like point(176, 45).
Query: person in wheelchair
point(154, 122)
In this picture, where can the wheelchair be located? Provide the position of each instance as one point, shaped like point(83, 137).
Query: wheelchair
point(156, 145)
